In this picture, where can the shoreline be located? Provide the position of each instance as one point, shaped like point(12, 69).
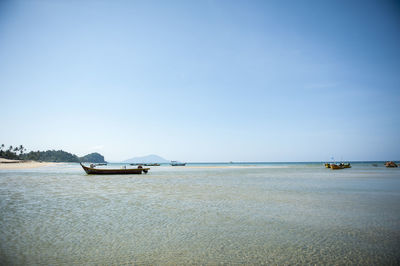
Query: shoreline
point(6, 164)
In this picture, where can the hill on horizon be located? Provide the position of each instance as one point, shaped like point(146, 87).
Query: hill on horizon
point(94, 157)
point(152, 158)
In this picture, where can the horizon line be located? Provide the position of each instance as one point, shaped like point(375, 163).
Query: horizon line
point(237, 162)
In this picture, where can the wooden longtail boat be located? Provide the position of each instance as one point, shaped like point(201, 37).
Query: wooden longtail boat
point(346, 165)
point(390, 164)
point(336, 166)
point(122, 171)
point(146, 164)
point(176, 163)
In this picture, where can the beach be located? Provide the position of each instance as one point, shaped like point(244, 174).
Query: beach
point(200, 132)
point(202, 214)
point(6, 164)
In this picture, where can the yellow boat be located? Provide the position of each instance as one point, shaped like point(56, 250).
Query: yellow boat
point(346, 165)
point(327, 165)
point(390, 164)
point(336, 166)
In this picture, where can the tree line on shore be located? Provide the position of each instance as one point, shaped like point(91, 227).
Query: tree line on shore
point(19, 153)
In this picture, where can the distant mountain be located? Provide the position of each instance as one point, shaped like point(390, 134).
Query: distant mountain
point(152, 158)
point(93, 158)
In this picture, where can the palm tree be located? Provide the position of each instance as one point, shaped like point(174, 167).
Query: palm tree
point(15, 156)
point(21, 150)
point(2, 147)
point(9, 153)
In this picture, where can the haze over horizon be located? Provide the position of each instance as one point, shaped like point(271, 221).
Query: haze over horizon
point(207, 81)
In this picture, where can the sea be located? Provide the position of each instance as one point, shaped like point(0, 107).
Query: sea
point(202, 214)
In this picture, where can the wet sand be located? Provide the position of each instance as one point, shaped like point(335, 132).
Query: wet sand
point(6, 164)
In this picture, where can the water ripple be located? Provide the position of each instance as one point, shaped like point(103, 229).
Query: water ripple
point(248, 215)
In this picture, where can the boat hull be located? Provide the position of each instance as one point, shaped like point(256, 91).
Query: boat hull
point(146, 164)
point(177, 163)
point(336, 167)
point(391, 164)
point(129, 171)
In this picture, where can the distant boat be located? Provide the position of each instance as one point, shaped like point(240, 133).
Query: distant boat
point(341, 165)
point(176, 163)
point(123, 171)
point(346, 165)
point(336, 166)
point(146, 164)
point(390, 164)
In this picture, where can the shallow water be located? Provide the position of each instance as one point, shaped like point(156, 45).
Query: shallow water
point(201, 214)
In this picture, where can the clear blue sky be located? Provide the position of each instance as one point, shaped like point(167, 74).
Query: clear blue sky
point(203, 80)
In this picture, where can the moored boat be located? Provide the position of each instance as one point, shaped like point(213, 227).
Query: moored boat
point(146, 164)
point(390, 164)
point(176, 163)
point(346, 165)
point(92, 170)
point(336, 166)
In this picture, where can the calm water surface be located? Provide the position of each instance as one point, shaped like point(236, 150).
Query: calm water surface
point(201, 214)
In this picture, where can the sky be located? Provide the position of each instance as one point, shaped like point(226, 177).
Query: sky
point(202, 81)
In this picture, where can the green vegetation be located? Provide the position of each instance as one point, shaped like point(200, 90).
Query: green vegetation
point(51, 156)
point(93, 158)
point(12, 152)
point(18, 153)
